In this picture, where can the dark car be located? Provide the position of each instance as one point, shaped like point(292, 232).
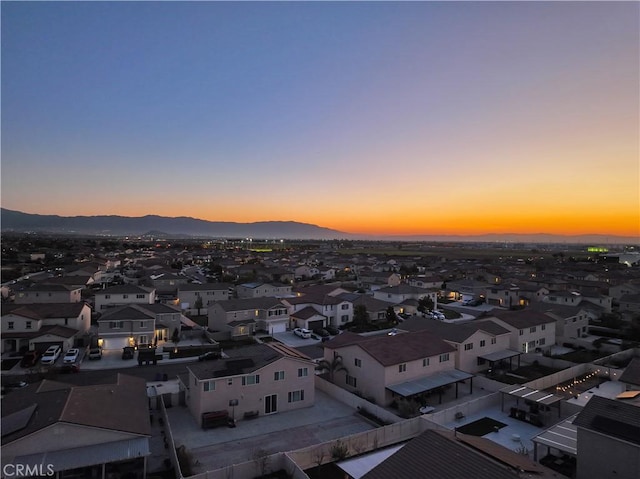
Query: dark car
point(332, 330)
point(69, 368)
point(128, 352)
point(323, 333)
point(209, 356)
point(30, 359)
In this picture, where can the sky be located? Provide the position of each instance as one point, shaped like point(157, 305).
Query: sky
point(380, 118)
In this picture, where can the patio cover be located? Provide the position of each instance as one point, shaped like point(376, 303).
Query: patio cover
point(533, 395)
point(417, 386)
point(563, 437)
point(499, 355)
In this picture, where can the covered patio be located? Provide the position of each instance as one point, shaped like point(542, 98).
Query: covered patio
point(538, 402)
point(496, 358)
point(416, 387)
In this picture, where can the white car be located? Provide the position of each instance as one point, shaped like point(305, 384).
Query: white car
point(51, 355)
point(302, 332)
point(71, 356)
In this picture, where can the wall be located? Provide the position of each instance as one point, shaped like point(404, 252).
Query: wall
point(173, 457)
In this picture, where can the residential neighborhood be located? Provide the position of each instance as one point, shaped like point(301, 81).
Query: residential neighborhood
point(480, 350)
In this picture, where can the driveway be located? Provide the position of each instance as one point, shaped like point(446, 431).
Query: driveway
point(215, 448)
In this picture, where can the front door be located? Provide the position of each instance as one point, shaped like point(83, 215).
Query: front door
point(271, 404)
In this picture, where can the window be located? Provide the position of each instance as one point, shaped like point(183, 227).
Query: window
point(532, 329)
point(295, 396)
point(116, 324)
point(107, 296)
point(358, 362)
point(482, 343)
point(142, 325)
point(425, 362)
point(249, 380)
point(402, 368)
point(351, 381)
point(444, 357)
point(542, 341)
point(543, 327)
point(10, 325)
point(521, 332)
point(344, 318)
point(230, 382)
point(27, 325)
point(209, 386)
point(125, 296)
point(140, 296)
point(303, 372)
point(468, 346)
point(493, 340)
point(278, 376)
point(344, 306)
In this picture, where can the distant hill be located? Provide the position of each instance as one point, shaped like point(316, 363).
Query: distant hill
point(161, 226)
point(183, 226)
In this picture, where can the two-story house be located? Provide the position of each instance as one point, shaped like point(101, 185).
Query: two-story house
point(376, 308)
point(40, 325)
point(531, 331)
point(241, 317)
point(207, 293)
point(123, 294)
point(337, 310)
point(261, 290)
point(476, 343)
point(48, 293)
point(505, 296)
point(571, 321)
point(252, 381)
point(378, 365)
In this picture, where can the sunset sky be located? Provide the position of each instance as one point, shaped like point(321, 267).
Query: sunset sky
point(365, 117)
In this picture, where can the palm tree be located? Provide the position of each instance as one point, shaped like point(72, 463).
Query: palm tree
point(332, 367)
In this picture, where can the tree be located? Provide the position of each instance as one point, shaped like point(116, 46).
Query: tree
point(360, 315)
point(198, 304)
point(425, 304)
point(332, 367)
point(391, 315)
point(175, 337)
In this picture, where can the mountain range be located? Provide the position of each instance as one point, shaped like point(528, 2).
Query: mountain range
point(111, 225)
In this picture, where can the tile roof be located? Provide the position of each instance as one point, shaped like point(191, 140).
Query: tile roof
point(522, 319)
point(44, 310)
point(204, 287)
point(455, 332)
point(125, 289)
point(631, 374)
point(125, 313)
point(391, 350)
point(611, 417)
point(244, 304)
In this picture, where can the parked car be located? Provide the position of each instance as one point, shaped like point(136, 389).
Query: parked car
point(51, 355)
point(71, 356)
point(95, 352)
point(30, 359)
point(128, 352)
point(323, 333)
point(332, 330)
point(69, 368)
point(302, 332)
point(210, 355)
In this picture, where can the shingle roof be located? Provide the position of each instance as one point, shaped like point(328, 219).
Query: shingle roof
point(612, 418)
point(306, 313)
point(456, 333)
point(44, 310)
point(391, 350)
point(204, 287)
point(522, 319)
point(128, 312)
point(125, 289)
point(249, 303)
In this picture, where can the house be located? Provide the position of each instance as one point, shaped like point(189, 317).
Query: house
point(465, 289)
point(40, 325)
point(531, 331)
point(123, 294)
point(88, 431)
point(478, 345)
point(403, 292)
point(166, 282)
point(308, 318)
point(257, 380)
point(306, 272)
point(505, 296)
point(208, 293)
point(376, 364)
point(608, 439)
point(388, 278)
point(630, 303)
point(428, 282)
point(376, 308)
point(48, 293)
point(137, 325)
point(337, 310)
point(242, 317)
point(261, 290)
point(571, 321)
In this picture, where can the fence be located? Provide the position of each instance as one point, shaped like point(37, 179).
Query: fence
point(173, 455)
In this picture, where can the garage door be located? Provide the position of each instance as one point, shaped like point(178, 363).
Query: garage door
point(316, 324)
point(42, 347)
point(278, 328)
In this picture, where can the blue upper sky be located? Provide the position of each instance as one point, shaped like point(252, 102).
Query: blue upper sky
point(361, 116)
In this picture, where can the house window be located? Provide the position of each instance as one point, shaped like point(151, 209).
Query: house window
point(543, 327)
point(195, 381)
point(107, 296)
point(482, 343)
point(209, 386)
point(249, 380)
point(66, 320)
point(493, 340)
point(116, 324)
point(425, 362)
point(295, 396)
point(278, 376)
point(344, 318)
point(230, 382)
point(521, 332)
point(27, 325)
point(125, 296)
point(351, 381)
point(358, 362)
point(10, 325)
point(142, 325)
point(402, 368)
point(542, 341)
point(140, 296)
point(444, 357)
point(344, 306)
point(532, 329)
point(468, 346)
point(303, 372)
